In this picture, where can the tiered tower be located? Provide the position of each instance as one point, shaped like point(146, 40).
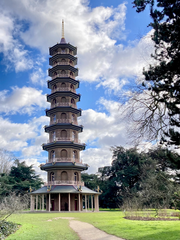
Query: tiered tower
point(64, 189)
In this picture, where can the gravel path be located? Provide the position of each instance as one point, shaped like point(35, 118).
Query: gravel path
point(87, 231)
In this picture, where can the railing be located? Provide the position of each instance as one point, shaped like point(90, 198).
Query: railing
point(62, 182)
point(64, 121)
point(63, 63)
point(64, 139)
point(63, 104)
point(63, 75)
point(63, 89)
point(54, 160)
point(62, 52)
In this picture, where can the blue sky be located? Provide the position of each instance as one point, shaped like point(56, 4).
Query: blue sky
point(113, 44)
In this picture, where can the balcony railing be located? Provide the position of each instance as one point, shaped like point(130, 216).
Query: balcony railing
point(65, 139)
point(63, 75)
point(63, 104)
point(64, 121)
point(63, 89)
point(54, 160)
point(64, 182)
point(63, 63)
point(62, 52)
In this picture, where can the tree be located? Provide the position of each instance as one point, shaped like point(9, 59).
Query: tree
point(20, 178)
point(11, 204)
point(140, 179)
point(6, 160)
point(24, 177)
point(161, 88)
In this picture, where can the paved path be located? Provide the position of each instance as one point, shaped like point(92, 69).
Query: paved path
point(87, 231)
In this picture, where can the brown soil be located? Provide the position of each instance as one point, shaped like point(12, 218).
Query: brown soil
point(151, 218)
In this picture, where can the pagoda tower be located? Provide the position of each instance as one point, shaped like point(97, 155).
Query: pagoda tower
point(64, 190)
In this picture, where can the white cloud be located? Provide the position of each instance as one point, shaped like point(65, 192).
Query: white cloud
point(14, 52)
point(38, 77)
point(22, 100)
point(94, 30)
point(24, 137)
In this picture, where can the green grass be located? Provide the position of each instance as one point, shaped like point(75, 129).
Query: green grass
point(36, 226)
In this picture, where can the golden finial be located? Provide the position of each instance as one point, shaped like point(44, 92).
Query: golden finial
point(63, 28)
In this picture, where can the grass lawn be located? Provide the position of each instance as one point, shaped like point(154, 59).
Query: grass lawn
point(37, 226)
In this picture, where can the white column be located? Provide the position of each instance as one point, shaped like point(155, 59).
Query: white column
point(59, 202)
point(49, 202)
point(79, 202)
point(88, 201)
point(85, 203)
point(69, 202)
point(31, 204)
point(36, 202)
point(42, 202)
point(92, 202)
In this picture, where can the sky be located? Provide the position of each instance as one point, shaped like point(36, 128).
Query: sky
point(113, 45)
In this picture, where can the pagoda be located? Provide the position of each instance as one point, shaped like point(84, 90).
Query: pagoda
point(64, 190)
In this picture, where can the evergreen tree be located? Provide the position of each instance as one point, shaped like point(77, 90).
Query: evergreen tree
point(20, 178)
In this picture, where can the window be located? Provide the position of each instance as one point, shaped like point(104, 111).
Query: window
point(52, 178)
point(73, 135)
point(54, 118)
point(73, 118)
point(54, 136)
point(52, 155)
point(74, 155)
point(64, 153)
point(64, 134)
point(72, 101)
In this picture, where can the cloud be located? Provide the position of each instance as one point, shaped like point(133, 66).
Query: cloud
point(13, 50)
point(94, 30)
point(25, 137)
point(23, 100)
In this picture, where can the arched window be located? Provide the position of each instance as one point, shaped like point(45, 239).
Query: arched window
point(63, 99)
point(71, 62)
point(72, 86)
point(54, 87)
point(70, 51)
point(64, 153)
point(74, 155)
point(63, 72)
point(54, 136)
point(64, 176)
point(55, 62)
point(72, 101)
point(63, 85)
point(54, 101)
point(63, 50)
point(73, 136)
point(63, 116)
point(71, 73)
point(55, 73)
point(64, 134)
point(63, 60)
point(76, 177)
point(73, 118)
point(54, 118)
point(52, 177)
point(52, 156)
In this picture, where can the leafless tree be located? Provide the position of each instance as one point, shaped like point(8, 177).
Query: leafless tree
point(6, 161)
point(12, 204)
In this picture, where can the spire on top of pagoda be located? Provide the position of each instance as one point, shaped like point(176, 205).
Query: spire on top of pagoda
point(63, 40)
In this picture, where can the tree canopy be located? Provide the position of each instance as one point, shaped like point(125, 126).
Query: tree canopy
point(149, 179)
point(20, 178)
